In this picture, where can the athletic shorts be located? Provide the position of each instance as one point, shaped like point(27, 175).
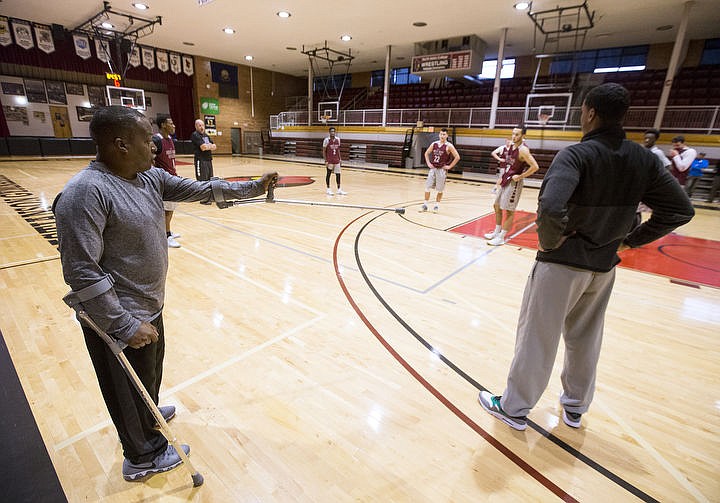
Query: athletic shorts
point(436, 179)
point(507, 197)
point(335, 168)
point(170, 205)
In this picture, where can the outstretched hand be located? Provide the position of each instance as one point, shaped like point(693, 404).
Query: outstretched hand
point(271, 177)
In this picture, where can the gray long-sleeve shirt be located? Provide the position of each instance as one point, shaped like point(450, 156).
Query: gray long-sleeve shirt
point(109, 225)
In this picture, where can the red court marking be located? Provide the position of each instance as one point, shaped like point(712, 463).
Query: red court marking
point(182, 163)
point(676, 257)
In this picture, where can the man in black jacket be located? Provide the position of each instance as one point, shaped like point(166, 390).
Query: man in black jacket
point(585, 214)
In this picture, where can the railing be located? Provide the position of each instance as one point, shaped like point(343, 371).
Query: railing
point(688, 119)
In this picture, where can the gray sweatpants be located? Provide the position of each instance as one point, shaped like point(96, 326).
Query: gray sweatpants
point(558, 299)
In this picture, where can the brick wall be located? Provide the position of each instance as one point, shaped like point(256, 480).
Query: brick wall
point(269, 92)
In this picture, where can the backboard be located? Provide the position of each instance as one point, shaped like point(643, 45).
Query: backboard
point(126, 97)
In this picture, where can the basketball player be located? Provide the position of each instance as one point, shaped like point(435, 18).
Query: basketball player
point(440, 157)
point(585, 211)
point(204, 147)
point(165, 159)
point(682, 158)
point(114, 256)
point(331, 155)
point(517, 163)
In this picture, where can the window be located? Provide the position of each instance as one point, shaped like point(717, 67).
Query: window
point(490, 67)
point(401, 76)
point(711, 52)
point(614, 59)
point(377, 78)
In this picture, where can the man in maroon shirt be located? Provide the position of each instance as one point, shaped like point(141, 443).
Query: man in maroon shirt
point(165, 159)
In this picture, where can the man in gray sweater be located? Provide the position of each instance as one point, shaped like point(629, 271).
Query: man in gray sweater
point(585, 215)
point(114, 255)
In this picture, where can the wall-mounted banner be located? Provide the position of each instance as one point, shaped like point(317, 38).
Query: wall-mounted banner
point(23, 35)
point(134, 57)
point(102, 50)
point(5, 37)
point(162, 61)
point(188, 65)
point(175, 63)
point(82, 46)
point(148, 57)
point(210, 106)
point(44, 38)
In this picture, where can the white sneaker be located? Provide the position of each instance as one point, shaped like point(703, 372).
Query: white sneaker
point(174, 235)
point(341, 192)
point(436, 208)
point(424, 207)
point(172, 243)
point(496, 241)
point(491, 235)
point(329, 192)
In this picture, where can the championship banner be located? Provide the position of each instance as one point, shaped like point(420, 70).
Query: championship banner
point(44, 38)
point(148, 57)
point(134, 58)
point(23, 35)
point(175, 63)
point(5, 37)
point(162, 61)
point(102, 50)
point(188, 65)
point(82, 46)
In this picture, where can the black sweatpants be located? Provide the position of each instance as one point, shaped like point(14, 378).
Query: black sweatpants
point(203, 170)
point(133, 421)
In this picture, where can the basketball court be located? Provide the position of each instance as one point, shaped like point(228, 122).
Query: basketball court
point(336, 354)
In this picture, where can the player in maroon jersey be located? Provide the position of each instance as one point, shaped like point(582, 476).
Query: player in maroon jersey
point(331, 154)
point(440, 157)
point(165, 159)
point(517, 164)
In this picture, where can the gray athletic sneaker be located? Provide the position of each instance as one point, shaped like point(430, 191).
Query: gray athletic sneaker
point(162, 463)
point(492, 404)
point(571, 419)
point(168, 412)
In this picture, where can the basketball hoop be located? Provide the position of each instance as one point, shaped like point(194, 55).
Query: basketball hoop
point(543, 117)
point(324, 118)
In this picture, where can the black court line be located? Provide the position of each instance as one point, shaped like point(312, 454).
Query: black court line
point(25, 465)
point(557, 441)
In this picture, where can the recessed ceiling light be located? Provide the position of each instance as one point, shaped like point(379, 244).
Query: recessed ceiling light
point(664, 27)
point(248, 58)
point(141, 6)
point(346, 38)
point(228, 30)
point(419, 24)
point(284, 14)
point(107, 25)
point(522, 5)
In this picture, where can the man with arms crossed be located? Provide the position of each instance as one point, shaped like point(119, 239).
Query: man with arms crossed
point(204, 147)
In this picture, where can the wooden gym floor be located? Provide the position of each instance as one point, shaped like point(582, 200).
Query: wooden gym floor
point(323, 354)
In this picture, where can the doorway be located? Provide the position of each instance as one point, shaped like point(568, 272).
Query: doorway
point(235, 135)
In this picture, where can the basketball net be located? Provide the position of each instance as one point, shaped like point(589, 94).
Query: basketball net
point(324, 118)
point(543, 118)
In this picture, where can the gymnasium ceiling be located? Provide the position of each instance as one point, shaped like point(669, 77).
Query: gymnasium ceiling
point(373, 24)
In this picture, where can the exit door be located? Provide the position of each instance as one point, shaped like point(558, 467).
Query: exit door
point(235, 134)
